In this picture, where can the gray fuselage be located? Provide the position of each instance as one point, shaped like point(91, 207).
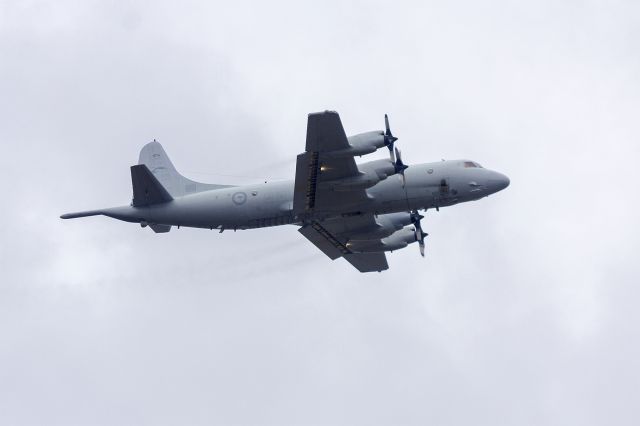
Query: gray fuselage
point(428, 185)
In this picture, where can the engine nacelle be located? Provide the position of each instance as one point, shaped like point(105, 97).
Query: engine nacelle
point(396, 241)
point(400, 239)
point(382, 169)
point(395, 221)
point(372, 172)
point(367, 142)
point(386, 224)
point(362, 144)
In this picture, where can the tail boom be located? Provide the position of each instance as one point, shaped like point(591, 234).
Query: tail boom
point(124, 213)
point(81, 214)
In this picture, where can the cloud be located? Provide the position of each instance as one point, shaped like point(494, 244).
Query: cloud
point(523, 311)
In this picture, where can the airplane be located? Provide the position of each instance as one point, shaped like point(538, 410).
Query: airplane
point(355, 211)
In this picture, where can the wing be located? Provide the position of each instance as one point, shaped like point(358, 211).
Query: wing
point(368, 262)
point(325, 136)
point(332, 235)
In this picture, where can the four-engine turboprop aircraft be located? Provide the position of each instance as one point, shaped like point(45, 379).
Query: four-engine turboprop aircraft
point(355, 211)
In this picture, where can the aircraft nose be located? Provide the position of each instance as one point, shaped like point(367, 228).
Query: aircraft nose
point(501, 182)
point(498, 182)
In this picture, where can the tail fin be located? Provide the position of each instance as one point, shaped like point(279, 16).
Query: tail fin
point(155, 158)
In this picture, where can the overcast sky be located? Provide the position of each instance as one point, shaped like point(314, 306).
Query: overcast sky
point(524, 312)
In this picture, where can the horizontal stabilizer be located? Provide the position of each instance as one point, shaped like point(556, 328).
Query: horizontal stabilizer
point(147, 190)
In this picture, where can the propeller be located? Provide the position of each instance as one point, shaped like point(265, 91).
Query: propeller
point(420, 235)
point(399, 166)
point(389, 139)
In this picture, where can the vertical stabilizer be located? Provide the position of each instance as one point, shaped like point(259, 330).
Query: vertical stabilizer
point(156, 159)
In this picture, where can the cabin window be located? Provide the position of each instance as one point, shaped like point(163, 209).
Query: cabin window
point(471, 164)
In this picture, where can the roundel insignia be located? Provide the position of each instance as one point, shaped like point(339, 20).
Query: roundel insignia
point(239, 198)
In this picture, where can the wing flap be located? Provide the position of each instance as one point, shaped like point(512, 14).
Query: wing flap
point(331, 237)
point(322, 239)
point(304, 196)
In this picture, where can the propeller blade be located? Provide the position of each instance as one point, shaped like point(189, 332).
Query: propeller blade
point(389, 139)
point(399, 166)
point(420, 234)
point(418, 231)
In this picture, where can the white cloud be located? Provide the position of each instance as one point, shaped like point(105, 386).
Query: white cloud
point(523, 311)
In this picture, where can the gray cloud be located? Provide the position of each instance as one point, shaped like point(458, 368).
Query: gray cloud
point(523, 312)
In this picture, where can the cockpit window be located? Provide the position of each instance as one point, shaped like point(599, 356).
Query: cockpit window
point(471, 164)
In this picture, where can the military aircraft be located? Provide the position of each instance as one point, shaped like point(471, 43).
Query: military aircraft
point(357, 211)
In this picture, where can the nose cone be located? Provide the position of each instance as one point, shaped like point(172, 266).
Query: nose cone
point(499, 182)
point(504, 182)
